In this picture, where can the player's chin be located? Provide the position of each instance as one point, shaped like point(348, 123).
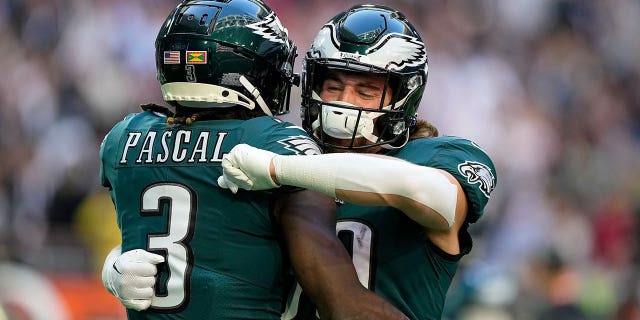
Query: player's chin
point(344, 145)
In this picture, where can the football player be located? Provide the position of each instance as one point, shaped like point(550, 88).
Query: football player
point(191, 250)
point(406, 195)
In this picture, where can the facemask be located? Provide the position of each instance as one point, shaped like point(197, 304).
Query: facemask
point(340, 123)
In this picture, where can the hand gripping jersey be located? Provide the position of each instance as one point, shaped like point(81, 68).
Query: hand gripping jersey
point(391, 253)
point(223, 257)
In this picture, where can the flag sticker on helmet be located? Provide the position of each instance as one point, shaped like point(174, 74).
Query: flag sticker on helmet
point(196, 57)
point(172, 57)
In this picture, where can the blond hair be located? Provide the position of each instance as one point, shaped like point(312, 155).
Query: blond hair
point(423, 129)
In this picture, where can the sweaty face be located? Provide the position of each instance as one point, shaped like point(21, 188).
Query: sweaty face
point(359, 89)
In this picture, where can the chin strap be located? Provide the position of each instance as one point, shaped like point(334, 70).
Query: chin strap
point(256, 94)
point(406, 139)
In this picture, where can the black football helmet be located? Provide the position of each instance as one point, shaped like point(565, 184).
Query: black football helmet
point(365, 39)
point(224, 53)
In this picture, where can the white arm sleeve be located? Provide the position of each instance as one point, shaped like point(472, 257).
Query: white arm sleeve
point(372, 174)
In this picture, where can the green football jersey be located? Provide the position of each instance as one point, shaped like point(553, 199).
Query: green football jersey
point(391, 252)
point(224, 259)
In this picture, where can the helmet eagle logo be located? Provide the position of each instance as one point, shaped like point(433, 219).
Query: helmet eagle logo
point(398, 51)
point(394, 51)
point(270, 28)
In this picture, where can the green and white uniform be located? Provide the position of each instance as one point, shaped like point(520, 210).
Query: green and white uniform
point(224, 259)
point(391, 252)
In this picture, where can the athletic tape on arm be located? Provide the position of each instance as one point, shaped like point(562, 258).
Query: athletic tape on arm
point(367, 173)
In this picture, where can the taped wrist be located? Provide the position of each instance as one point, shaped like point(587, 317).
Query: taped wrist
point(309, 172)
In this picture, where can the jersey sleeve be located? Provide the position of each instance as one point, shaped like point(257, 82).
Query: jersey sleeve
point(282, 138)
point(107, 150)
point(103, 178)
point(473, 169)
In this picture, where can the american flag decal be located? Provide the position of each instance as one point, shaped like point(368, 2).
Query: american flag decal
point(172, 57)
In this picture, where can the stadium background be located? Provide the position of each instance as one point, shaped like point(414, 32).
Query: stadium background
point(549, 88)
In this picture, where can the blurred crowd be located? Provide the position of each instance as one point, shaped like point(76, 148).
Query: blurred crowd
point(549, 88)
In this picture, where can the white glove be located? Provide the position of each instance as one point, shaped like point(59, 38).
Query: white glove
point(131, 276)
point(247, 168)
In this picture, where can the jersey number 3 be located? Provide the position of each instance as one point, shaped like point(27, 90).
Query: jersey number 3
point(180, 205)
